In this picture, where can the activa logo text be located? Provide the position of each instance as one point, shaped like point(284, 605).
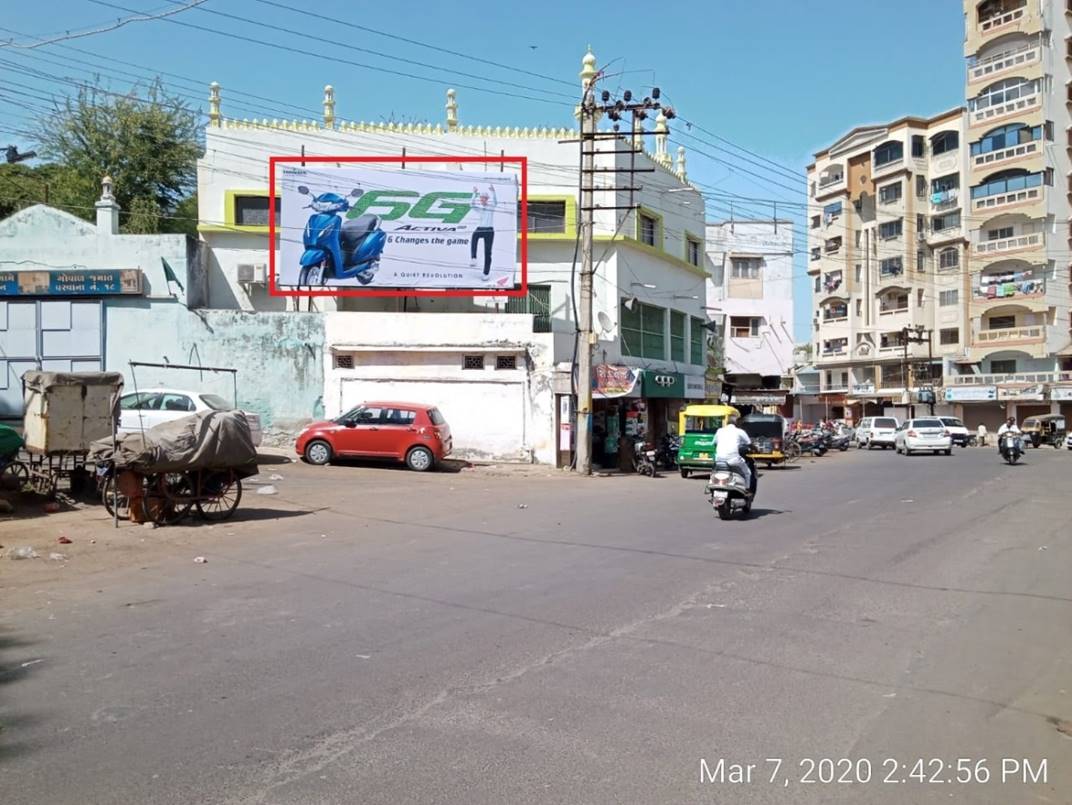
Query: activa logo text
point(390, 205)
point(414, 228)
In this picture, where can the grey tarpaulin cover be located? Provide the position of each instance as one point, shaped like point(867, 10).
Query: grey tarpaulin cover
point(66, 411)
point(209, 440)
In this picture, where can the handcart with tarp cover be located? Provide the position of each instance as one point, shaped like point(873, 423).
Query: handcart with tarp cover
point(65, 413)
point(160, 474)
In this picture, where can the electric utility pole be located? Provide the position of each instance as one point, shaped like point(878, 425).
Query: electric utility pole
point(590, 111)
point(918, 335)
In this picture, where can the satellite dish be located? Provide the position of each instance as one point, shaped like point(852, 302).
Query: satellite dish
point(605, 324)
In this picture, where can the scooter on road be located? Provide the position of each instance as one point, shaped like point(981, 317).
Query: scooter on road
point(728, 492)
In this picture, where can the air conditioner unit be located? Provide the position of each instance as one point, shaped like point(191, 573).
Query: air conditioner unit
point(252, 274)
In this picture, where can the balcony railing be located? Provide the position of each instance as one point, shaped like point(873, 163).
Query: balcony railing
point(946, 199)
point(1024, 288)
point(1026, 240)
point(1012, 152)
point(1019, 377)
point(1001, 20)
point(1007, 60)
point(830, 180)
point(1020, 104)
point(889, 311)
point(1011, 335)
point(1006, 199)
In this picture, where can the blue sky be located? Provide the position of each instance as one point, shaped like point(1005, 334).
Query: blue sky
point(770, 76)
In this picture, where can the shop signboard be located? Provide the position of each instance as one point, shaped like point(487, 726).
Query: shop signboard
point(971, 393)
point(758, 397)
point(1031, 393)
point(670, 385)
point(695, 387)
point(382, 226)
point(74, 282)
point(615, 381)
point(1061, 393)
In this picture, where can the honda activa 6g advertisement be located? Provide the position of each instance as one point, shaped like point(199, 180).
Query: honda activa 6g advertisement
point(377, 227)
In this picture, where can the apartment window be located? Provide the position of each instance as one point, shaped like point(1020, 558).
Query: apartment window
point(506, 362)
point(921, 260)
point(859, 308)
point(1003, 233)
point(1007, 182)
point(473, 362)
point(745, 268)
point(893, 302)
point(643, 331)
point(253, 210)
point(537, 303)
point(815, 221)
point(886, 153)
point(648, 228)
point(891, 229)
point(1006, 137)
point(744, 327)
point(1003, 92)
point(948, 298)
point(859, 237)
point(697, 337)
point(546, 217)
point(835, 311)
point(891, 267)
point(921, 187)
point(951, 220)
point(816, 253)
point(677, 336)
point(890, 193)
point(1001, 322)
point(945, 141)
point(919, 297)
point(948, 258)
point(921, 223)
point(692, 251)
point(949, 336)
point(818, 284)
point(858, 274)
point(943, 184)
point(918, 148)
point(1006, 367)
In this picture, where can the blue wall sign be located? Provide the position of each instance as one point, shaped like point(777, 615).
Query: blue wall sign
point(80, 282)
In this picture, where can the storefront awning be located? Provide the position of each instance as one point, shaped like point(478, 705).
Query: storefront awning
point(758, 397)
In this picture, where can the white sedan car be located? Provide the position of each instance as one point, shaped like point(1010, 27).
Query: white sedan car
point(144, 409)
point(924, 435)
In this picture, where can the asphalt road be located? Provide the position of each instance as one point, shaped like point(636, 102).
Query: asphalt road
point(432, 641)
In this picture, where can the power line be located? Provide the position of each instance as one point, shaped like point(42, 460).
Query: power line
point(136, 17)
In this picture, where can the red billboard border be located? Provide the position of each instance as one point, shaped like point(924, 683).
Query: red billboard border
point(275, 290)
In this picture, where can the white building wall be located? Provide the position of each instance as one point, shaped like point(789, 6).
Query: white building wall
point(494, 414)
point(771, 352)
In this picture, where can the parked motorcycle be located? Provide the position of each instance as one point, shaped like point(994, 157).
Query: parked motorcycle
point(644, 458)
point(807, 442)
point(840, 441)
point(727, 491)
point(666, 454)
point(337, 249)
point(1011, 446)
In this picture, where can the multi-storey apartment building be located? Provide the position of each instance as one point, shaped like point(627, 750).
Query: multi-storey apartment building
point(1019, 132)
point(886, 241)
point(959, 225)
point(750, 294)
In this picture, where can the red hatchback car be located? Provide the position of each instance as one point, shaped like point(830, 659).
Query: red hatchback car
point(410, 432)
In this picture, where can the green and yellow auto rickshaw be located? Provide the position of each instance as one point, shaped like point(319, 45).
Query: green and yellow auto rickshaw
point(697, 426)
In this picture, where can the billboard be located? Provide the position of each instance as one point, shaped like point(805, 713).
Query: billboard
point(379, 226)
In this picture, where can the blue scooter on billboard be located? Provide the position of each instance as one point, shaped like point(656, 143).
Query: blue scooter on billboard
point(338, 249)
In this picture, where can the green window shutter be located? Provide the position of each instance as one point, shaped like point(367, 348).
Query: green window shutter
point(677, 336)
point(653, 327)
point(630, 329)
point(696, 341)
point(538, 303)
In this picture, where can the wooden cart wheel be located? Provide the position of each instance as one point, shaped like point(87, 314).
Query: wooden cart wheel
point(219, 495)
point(169, 497)
point(122, 501)
point(14, 476)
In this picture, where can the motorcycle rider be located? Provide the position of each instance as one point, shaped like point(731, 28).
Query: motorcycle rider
point(1008, 427)
point(730, 441)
